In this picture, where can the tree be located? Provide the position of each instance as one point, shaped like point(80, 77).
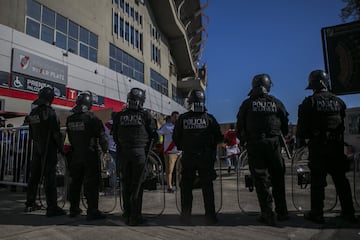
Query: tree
point(351, 10)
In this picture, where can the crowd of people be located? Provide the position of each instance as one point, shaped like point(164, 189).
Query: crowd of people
point(262, 123)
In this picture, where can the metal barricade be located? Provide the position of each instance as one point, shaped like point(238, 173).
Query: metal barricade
point(109, 186)
point(300, 183)
point(197, 203)
point(15, 156)
point(245, 186)
point(16, 150)
point(153, 204)
point(62, 182)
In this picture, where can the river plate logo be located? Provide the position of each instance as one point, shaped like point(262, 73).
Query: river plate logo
point(24, 61)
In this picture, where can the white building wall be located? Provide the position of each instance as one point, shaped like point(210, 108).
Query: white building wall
point(81, 72)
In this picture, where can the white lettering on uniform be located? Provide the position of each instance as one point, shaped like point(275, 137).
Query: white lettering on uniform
point(76, 126)
point(34, 119)
point(327, 105)
point(195, 123)
point(259, 106)
point(131, 120)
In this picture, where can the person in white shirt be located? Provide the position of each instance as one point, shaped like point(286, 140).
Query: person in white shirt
point(170, 151)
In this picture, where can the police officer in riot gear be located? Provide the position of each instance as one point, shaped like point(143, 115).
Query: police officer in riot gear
point(133, 130)
point(197, 134)
point(44, 129)
point(261, 120)
point(86, 133)
point(321, 126)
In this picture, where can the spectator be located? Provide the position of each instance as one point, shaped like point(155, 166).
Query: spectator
point(109, 135)
point(232, 149)
point(171, 152)
point(2, 122)
point(110, 165)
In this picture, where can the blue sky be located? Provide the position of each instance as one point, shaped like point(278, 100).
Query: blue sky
point(278, 37)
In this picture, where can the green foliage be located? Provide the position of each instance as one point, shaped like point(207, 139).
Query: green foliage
point(351, 11)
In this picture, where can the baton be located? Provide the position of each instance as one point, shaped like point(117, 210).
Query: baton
point(282, 139)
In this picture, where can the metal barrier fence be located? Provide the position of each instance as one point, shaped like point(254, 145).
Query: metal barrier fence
point(15, 156)
point(16, 153)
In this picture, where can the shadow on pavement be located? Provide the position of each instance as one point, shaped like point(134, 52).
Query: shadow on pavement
point(225, 219)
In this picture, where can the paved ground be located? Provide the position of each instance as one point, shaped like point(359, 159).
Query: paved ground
point(233, 224)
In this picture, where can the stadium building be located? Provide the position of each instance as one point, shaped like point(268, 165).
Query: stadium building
point(106, 47)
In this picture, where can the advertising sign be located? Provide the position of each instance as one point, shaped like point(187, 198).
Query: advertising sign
point(71, 94)
point(38, 67)
point(24, 83)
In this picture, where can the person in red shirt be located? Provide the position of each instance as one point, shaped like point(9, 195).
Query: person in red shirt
point(232, 149)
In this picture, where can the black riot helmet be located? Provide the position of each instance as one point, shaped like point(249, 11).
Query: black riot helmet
point(45, 96)
point(197, 100)
point(84, 101)
point(262, 80)
point(318, 80)
point(135, 99)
